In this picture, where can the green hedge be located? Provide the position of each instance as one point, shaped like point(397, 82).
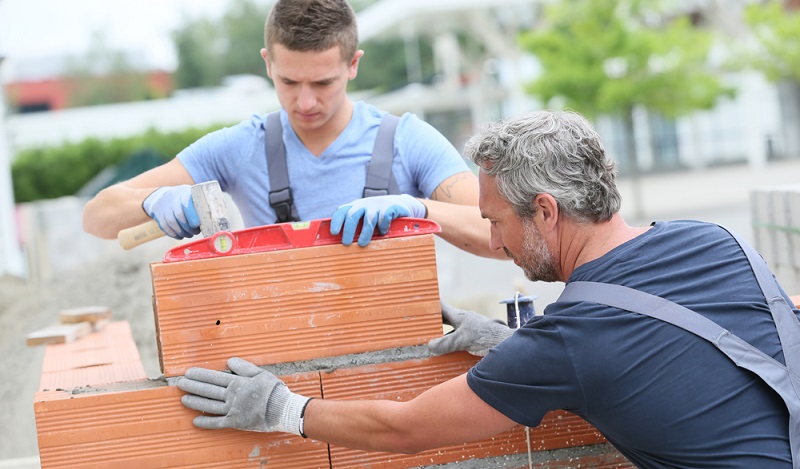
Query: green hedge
point(50, 172)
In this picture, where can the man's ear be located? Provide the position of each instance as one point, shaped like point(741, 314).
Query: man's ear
point(265, 56)
point(354, 64)
point(547, 209)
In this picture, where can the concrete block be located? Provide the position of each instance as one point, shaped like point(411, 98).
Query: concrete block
point(296, 304)
point(779, 224)
point(793, 207)
point(789, 278)
point(762, 220)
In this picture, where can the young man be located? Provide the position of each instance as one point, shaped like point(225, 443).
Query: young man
point(650, 341)
point(311, 53)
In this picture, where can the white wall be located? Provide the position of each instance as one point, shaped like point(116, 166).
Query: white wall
point(10, 252)
point(201, 108)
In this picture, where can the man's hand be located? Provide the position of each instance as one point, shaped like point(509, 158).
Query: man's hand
point(376, 211)
point(472, 332)
point(248, 398)
point(172, 208)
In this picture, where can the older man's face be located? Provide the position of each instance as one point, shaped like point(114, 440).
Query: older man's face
point(519, 238)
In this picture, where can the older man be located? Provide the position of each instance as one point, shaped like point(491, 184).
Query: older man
point(663, 339)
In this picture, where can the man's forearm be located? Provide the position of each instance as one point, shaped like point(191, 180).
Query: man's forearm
point(113, 209)
point(463, 227)
point(368, 425)
point(446, 414)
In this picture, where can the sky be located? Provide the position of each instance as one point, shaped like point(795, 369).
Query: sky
point(47, 28)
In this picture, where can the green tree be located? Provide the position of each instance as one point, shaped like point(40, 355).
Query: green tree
point(243, 29)
point(776, 53)
point(200, 48)
point(777, 32)
point(384, 66)
point(208, 50)
point(605, 57)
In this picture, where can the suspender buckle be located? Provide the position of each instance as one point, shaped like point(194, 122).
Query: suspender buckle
point(373, 192)
point(281, 201)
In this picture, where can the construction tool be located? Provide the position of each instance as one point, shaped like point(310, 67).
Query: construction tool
point(209, 204)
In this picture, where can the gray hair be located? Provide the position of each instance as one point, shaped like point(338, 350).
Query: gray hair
point(553, 152)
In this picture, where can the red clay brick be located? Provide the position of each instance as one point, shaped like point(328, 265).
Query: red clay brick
point(144, 425)
point(296, 304)
point(106, 356)
point(404, 380)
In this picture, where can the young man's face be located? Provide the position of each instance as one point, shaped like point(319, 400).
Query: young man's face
point(311, 86)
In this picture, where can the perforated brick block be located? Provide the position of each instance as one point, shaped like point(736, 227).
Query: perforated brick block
point(296, 304)
point(102, 357)
point(143, 424)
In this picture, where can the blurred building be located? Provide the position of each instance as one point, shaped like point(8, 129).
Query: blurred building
point(472, 85)
point(56, 83)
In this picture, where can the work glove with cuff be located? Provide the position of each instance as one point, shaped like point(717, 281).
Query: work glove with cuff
point(472, 332)
point(247, 398)
point(376, 212)
point(172, 208)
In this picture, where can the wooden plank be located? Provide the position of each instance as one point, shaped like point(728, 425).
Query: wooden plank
point(91, 314)
point(58, 334)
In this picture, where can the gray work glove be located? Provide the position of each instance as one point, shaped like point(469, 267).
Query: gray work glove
point(248, 398)
point(472, 332)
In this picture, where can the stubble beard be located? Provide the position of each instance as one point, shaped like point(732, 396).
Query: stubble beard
point(536, 260)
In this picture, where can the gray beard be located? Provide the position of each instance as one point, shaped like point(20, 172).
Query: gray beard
point(536, 260)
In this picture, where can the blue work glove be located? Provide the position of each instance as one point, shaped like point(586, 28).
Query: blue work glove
point(249, 398)
point(376, 211)
point(172, 208)
point(472, 332)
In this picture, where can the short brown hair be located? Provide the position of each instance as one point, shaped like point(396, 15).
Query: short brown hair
point(312, 25)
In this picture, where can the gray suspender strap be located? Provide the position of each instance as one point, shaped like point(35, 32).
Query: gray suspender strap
point(380, 180)
point(785, 320)
point(280, 194)
point(782, 379)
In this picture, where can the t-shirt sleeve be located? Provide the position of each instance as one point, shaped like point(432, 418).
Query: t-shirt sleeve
point(218, 155)
point(528, 375)
point(426, 154)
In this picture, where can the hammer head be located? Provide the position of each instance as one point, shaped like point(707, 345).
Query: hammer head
point(210, 205)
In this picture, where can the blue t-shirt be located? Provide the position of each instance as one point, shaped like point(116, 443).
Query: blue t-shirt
point(663, 396)
point(234, 156)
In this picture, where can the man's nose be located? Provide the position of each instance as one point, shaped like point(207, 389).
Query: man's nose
point(307, 99)
point(495, 241)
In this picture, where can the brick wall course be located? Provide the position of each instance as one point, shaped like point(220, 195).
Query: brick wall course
point(297, 304)
point(142, 424)
point(331, 321)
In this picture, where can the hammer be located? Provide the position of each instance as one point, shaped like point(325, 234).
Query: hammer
point(210, 205)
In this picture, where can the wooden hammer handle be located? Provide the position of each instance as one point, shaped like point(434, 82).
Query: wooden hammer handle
point(140, 234)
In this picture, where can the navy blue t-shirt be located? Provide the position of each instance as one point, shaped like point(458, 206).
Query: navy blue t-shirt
point(663, 396)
